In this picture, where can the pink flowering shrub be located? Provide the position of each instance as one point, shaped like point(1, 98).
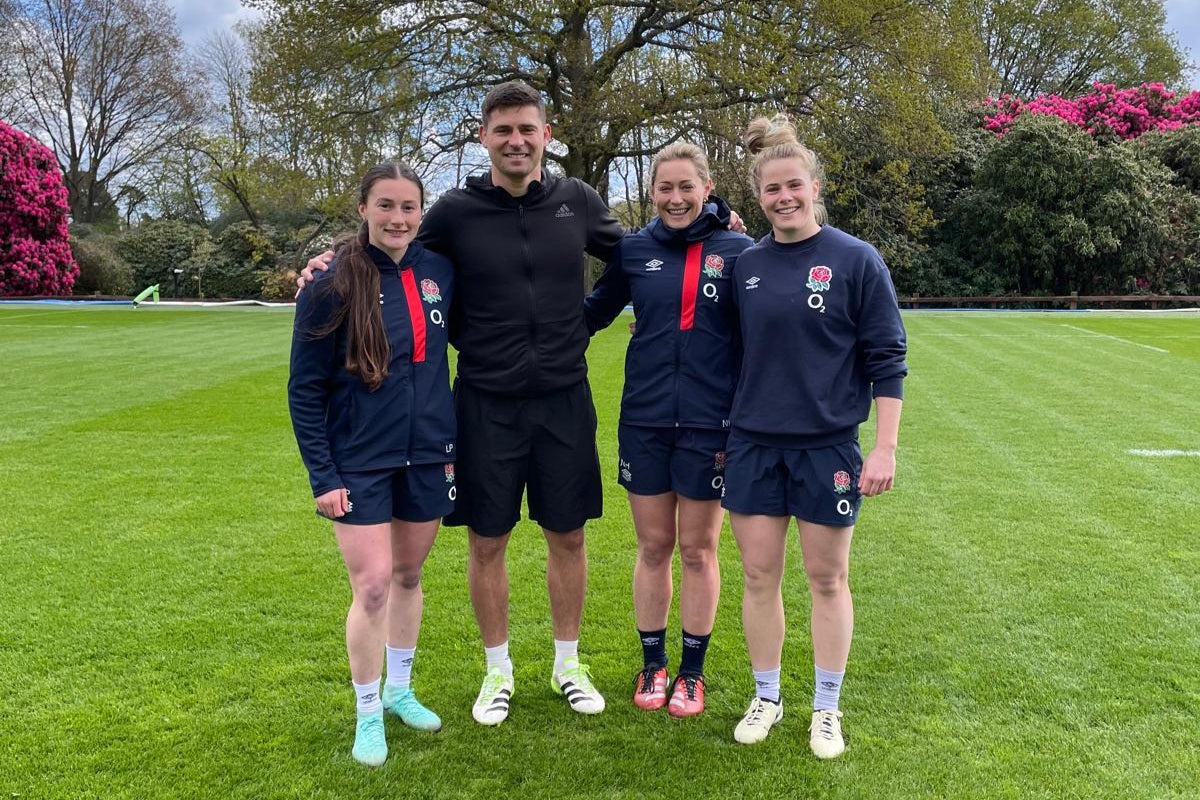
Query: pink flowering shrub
point(35, 257)
point(1106, 113)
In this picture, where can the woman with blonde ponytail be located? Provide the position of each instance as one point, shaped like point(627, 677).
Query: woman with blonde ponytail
point(822, 336)
point(369, 395)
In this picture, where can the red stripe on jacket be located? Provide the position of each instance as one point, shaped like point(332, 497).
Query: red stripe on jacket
point(691, 284)
point(416, 314)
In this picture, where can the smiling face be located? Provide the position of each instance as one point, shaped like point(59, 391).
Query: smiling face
point(392, 213)
point(678, 192)
point(788, 193)
point(515, 138)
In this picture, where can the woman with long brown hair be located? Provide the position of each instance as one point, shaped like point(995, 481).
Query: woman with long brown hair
point(371, 407)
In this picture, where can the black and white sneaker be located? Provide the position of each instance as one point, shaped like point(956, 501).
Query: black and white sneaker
point(574, 682)
point(491, 707)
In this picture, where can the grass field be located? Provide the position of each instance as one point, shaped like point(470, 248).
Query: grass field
point(1027, 598)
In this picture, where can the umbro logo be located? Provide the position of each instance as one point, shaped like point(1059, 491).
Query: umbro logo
point(752, 283)
point(654, 265)
point(563, 211)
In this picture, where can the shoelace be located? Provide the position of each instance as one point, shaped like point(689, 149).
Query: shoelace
point(492, 684)
point(408, 702)
point(647, 680)
point(689, 686)
point(581, 676)
point(757, 709)
point(372, 727)
point(825, 726)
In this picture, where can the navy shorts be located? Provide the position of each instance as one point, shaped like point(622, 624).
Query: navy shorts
point(687, 461)
point(546, 443)
point(818, 485)
point(418, 493)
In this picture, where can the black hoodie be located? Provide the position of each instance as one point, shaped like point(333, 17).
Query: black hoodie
point(517, 320)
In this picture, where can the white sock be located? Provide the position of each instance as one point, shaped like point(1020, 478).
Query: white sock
point(828, 689)
point(563, 651)
point(766, 684)
point(369, 701)
point(498, 657)
point(399, 666)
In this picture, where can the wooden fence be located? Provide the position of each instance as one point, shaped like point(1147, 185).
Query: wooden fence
point(1072, 301)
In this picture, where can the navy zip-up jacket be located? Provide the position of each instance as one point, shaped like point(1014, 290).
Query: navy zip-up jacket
point(682, 363)
point(822, 335)
point(409, 419)
point(518, 309)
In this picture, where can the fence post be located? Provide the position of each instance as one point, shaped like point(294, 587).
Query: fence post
point(1074, 301)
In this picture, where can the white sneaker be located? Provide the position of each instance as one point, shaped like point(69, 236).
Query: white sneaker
point(757, 723)
point(574, 682)
point(491, 707)
point(825, 734)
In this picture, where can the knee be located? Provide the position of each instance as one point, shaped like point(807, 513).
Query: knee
point(371, 593)
point(655, 552)
point(566, 545)
point(697, 558)
point(828, 583)
point(486, 551)
point(407, 578)
point(761, 577)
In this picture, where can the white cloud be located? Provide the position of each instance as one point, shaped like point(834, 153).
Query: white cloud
point(198, 19)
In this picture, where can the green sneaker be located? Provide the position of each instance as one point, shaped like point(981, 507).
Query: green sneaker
point(405, 705)
point(370, 745)
point(574, 682)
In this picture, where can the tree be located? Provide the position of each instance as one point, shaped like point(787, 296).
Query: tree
point(103, 81)
point(1064, 46)
point(35, 257)
point(624, 78)
point(1053, 211)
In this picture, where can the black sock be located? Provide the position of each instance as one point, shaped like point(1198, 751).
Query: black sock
point(654, 648)
point(694, 648)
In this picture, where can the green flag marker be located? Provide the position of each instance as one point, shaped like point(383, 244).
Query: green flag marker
point(149, 290)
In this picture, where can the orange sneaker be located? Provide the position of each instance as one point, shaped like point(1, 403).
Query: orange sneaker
point(687, 697)
point(650, 688)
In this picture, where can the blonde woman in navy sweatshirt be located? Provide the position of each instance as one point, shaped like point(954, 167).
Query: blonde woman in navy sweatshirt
point(369, 395)
point(822, 336)
point(680, 370)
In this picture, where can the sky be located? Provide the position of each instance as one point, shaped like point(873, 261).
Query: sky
point(197, 19)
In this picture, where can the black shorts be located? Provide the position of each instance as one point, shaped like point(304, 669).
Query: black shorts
point(818, 485)
point(419, 493)
point(687, 461)
point(545, 443)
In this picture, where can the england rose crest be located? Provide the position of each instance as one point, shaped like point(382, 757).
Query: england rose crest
point(841, 481)
point(714, 266)
point(719, 462)
point(818, 279)
point(449, 473)
point(430, 292)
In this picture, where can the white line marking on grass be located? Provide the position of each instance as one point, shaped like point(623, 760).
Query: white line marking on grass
point(1115, 338)
point(1165, 453)
point(7, 317)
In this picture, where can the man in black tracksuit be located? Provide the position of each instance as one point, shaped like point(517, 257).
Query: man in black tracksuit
point(517, 238)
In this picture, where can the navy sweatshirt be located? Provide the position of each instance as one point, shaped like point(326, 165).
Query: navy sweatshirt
point(682, 363)
point(518, 309)
point(822, 335)
point(409, 419)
